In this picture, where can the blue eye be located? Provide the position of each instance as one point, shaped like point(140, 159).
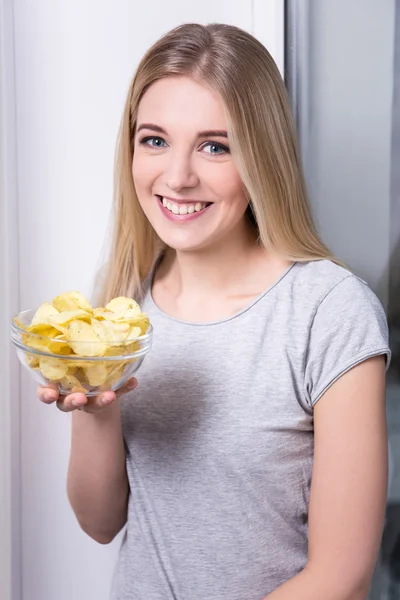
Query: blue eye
point(215, 148)
point(153, 142)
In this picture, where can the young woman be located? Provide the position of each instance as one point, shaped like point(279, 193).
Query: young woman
point(251, 461)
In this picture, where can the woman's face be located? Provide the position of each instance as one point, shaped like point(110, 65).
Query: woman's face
point(184, 175)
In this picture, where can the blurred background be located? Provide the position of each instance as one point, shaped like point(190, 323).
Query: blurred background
point(342, 60)
point(65, 67)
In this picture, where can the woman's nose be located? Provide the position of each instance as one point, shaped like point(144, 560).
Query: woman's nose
point(180, 173)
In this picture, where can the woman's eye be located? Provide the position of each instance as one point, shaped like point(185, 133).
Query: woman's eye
point(214, 148)
point(153, 142)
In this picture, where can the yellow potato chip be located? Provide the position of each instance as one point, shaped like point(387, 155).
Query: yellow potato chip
point(58, 345)
point(48, 342)
point(121, 304)
point(132, 314)
point(96, 374)
point(60, 337)
point(71, 301)
point(83, 339)
point(71, 370)
point(61, 348)
point(132, 347)
point(60, 328)
point(115, 350)
point(70, 382)
point(52, 368)
point(114, 373)
point(44, 311)
point(112, 333)
point(47, 339)
point(129, 346)
point(106, 315)
point(117, 373)
point(41, 329)
point(67, 316)
point(44, 341)
point(78, 364)
point(32, 361)
point(142, 321)
point(134, 333)
point(19, 323)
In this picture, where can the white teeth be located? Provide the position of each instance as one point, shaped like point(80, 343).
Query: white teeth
point(183, 209)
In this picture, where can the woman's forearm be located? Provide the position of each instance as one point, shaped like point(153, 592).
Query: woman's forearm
point(97, 484)
point(314, 585)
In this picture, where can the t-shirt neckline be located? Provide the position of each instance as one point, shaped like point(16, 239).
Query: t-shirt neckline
point(157, 310)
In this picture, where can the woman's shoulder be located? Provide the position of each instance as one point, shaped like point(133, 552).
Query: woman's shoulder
point(324, 271)
point(330, 297)
point(320, 279)
point(342, 302)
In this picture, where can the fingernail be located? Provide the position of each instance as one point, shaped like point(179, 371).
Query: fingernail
point(48, 396)
point(76, 402)
point(132, 384)
point(105, 400)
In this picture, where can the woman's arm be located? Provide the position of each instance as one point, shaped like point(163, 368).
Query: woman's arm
point(348, 490)
point(97, 480)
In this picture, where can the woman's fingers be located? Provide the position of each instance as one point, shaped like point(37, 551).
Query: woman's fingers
point(48, 394)
point(71, 402)
point(130, 385)
point(79, 401)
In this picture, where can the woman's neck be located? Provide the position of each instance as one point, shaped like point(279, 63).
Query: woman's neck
point(210, 270)
point(218, 282)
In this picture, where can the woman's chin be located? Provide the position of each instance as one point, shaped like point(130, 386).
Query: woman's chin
point(184, 243)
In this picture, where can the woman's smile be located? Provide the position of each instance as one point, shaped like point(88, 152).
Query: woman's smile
point(182, 211)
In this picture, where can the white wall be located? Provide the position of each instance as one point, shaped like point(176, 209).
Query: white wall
point(73, 63)
point(9, 368)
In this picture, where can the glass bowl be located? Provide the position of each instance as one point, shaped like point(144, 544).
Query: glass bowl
point(50, 360)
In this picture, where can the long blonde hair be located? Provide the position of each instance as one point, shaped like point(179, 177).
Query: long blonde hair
point(263, 143)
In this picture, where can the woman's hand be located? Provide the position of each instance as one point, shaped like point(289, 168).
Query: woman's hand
point(79, 401)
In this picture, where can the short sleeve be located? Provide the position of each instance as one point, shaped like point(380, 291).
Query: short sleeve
point(349, 326)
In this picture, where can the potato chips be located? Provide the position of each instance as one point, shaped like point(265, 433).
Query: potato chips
point(70, 327)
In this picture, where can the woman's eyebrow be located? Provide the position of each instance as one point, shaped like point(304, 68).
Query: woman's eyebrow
point(158, 129)
point(213, 133)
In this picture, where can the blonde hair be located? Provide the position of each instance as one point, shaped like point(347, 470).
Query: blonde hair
point(262, 139)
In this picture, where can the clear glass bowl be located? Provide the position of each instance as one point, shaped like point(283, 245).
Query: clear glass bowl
point(48, 362)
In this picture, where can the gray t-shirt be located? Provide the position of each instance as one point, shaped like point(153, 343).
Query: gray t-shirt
point(219, 436)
